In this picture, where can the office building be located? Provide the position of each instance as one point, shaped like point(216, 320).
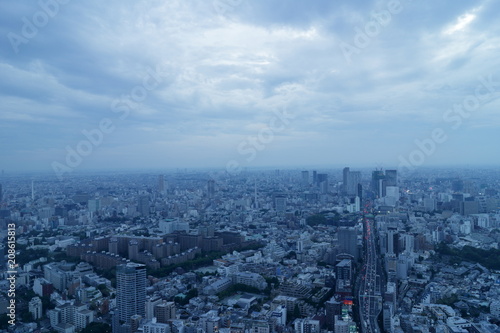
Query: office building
point(377, 183)
point(211, 188)
point(42, 287)
point(391, 177)
point(143, 205)
point(70, 316)
point(333, 308)
point(390, 295)
point(94, 205)
point(322, 180)
point(305, 178)
point(35, 308)
point(457, 185)
point(161, 183)
point(351, 182)
point(151, 302)
point(393, 246)
point(345, 179)
point(58, 274)
point(280, 202)
point(164, 311)
point(388, 312)
point(348, 241)
point(468, 207)
point(344, 270)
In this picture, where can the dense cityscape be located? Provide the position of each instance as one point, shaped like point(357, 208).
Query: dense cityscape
point(261, 251)
point(249, 166)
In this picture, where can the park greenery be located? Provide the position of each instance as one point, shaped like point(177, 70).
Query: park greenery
point(488, 258)
point(238, 287)
point(324, 217)
point(185, 300)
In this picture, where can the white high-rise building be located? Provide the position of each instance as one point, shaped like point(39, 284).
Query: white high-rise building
point(35, 308)
point(130, 290)
point(150, 306)
point(353, 181)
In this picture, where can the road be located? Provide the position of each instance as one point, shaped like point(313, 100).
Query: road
point(369, 296)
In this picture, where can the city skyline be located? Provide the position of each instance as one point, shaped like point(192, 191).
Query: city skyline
point(252, 84)
point(268, 251)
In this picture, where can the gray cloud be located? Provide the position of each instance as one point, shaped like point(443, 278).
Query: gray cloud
point(223, 75)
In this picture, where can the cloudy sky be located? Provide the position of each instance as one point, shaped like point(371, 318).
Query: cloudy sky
point(179, 83)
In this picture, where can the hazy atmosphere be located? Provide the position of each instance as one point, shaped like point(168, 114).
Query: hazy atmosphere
point(249, 166)
point(167, 84)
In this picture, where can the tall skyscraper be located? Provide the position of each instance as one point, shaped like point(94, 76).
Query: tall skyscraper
point(143, 205)
point(94, 205)
point(391, 177)
point(393, 242)
point(322, 179)
point(354, 180)
point(345, 179)
point(211, 188)
point(280, 202)
point(359, 193)
point(348, 241)
point(351, 180)
point(161, 183)
point(377, 183)
point(332, 308)
point(305, 178)
point(130, 291)
point(457, 185)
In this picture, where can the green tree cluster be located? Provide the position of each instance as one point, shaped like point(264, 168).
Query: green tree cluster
point(488, 258)
point(316, 219)
point(185, 300)
point(238, 287)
